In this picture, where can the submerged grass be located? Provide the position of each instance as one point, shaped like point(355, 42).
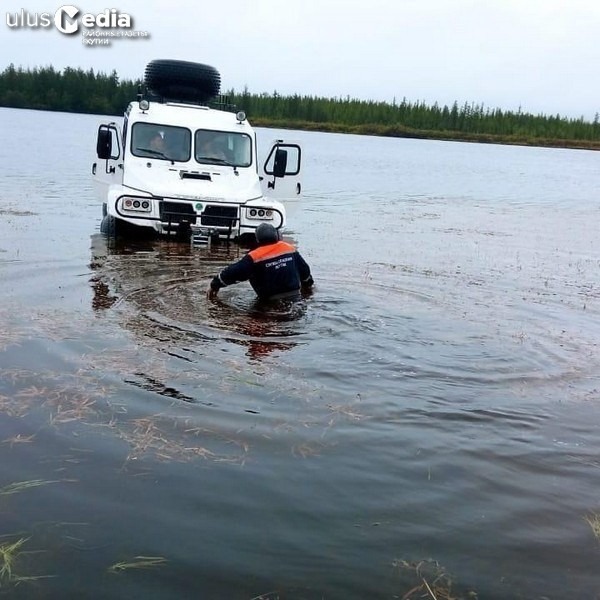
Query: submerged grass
point(18, 439)
point(138, 562)
point(10, 334)
point(168, 439)
point(83, 398)
point(593, 521)
point(10, 552)
point(430, 580)
point(8, 556)
point(20, 486)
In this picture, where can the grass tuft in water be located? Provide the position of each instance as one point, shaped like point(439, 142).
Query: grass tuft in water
point(9, 554)
point(18, 439)
point(20, 486)
point(593, 521)
point(429, 580)
point(138, 562)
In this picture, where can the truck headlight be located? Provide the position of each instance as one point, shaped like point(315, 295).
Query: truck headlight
point(136, 204)
point(263, 214)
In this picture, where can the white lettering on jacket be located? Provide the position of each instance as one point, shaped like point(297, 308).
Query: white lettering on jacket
point(280, 262)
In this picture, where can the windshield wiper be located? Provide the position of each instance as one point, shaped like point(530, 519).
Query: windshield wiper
point(215, 160)
point(155, 153)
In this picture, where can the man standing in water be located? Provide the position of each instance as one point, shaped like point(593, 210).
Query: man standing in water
point(276, 270)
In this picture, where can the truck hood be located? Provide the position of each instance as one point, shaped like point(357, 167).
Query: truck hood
point(198, 182)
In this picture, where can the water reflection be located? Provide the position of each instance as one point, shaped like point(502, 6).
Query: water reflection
point(158, 289)
point(262, 327)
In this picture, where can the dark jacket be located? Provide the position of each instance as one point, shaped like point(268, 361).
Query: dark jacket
point(275, 270)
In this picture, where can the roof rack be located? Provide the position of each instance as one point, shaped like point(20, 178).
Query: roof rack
point(220, 102)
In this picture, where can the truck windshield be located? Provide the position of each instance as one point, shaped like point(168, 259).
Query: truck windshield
point(223, 148)
point(163, 142)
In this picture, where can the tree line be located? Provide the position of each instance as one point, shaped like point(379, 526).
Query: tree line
point(70, 90)
point(76, 90)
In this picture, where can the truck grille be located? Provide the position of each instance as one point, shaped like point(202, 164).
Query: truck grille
point(176, 212)
point(219, 216)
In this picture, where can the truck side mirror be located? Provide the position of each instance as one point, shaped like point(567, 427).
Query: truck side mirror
point(104, 144)
point(280, 163)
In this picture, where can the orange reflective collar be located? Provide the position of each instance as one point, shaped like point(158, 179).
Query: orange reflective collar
point(271, 251)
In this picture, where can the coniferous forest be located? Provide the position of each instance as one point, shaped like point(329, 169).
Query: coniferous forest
point(76, 90)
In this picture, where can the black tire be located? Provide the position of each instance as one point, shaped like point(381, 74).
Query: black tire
point(108, 226)
point(182, 81)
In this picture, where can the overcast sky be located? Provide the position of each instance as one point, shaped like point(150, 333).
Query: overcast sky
point(542, 55)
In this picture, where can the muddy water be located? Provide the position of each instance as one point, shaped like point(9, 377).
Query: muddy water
point(426, 420)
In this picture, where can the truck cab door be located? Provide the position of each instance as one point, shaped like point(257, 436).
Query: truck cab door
point(108, 168)
point(280, 172)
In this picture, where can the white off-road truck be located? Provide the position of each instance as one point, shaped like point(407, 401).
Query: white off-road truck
point(185, 163)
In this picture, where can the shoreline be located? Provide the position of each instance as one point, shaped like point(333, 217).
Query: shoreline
point(400, 131)
point(397, 131)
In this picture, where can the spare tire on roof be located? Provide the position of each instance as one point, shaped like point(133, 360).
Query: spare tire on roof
point(182, 80)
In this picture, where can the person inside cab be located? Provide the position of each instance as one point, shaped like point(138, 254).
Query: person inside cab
point(209, 148)
point(275, 269)
point(158, 144)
